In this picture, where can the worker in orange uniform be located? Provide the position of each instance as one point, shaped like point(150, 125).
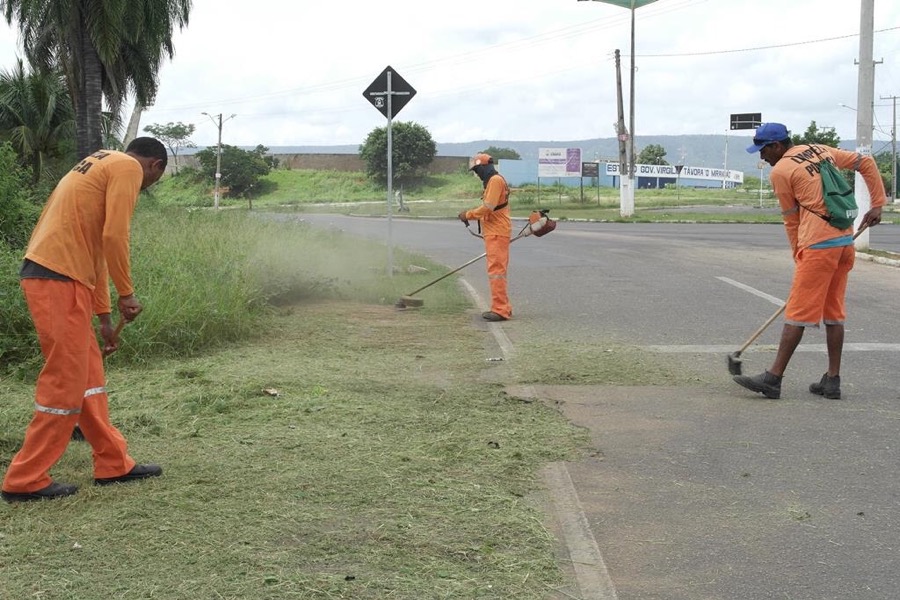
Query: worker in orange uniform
point(823, 254)
point(80, 242)
point(493, 217)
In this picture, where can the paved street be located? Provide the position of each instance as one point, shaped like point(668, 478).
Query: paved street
point(711, 491)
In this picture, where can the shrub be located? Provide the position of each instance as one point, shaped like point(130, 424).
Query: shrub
point(18, 211)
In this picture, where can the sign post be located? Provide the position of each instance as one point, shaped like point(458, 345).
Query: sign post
point(389, 93)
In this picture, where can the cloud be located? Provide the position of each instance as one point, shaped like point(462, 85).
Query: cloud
point(294, 73)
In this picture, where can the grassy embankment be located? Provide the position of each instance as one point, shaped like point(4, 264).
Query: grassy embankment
point(317, 443)
point(446, 195)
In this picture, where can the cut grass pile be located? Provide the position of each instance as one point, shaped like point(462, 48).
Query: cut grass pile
point(384, 468)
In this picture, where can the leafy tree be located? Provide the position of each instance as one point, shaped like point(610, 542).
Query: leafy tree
point(653, 154)
point(412, 149)
point(36, 115)
point(241, 169)
point(174, 135)
point(813, 135)
point(498, 153)
point(105, 48)
point(883, 159)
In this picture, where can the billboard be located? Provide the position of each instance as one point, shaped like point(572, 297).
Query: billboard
point(559, 162)
point(687, 172)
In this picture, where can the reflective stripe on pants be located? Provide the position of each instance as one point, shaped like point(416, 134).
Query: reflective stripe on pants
point(70, 389)
point(497, 248)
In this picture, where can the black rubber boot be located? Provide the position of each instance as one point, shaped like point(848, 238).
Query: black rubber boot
point(830, 387)
point(765, 383)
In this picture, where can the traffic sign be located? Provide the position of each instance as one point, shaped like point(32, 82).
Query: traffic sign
point(400, 92)
point(590, 169)
point(746, 120)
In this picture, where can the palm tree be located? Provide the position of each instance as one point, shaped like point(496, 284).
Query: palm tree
point(35, 115)
point(106, 48)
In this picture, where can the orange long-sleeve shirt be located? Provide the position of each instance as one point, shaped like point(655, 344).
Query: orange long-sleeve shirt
point(85, 227)
point(493, 221)
point(795, 181)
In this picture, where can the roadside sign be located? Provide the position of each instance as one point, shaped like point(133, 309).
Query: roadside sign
point(746, 120)
point(400, 91)
point(590, 169)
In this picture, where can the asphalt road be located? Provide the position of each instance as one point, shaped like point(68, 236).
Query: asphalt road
point(713, 492)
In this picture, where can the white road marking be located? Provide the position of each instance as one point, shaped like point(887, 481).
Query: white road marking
point(591, 575)
point(752, 290)
point(716, 349)
point(506, 346)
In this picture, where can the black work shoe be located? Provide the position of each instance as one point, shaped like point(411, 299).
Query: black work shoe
point(492, 316)
point(830, 387)
point(765, 383)
point(138, 472)
point(51, 492)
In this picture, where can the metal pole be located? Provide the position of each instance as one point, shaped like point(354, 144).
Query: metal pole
point(894, 153)
point(893, 190)
point(725, 162)
point(761, 163)
point(390, 177)
point(218, 164)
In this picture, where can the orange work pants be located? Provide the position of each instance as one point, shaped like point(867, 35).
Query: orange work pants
point(819, 287)
point(70, 389)
point(497, 248)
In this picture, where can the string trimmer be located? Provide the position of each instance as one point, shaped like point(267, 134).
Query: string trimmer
point(539, 224)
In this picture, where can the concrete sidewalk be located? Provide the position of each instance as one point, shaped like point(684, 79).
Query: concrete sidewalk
point(700, 493)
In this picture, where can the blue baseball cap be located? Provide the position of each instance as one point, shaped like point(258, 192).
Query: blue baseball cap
point(766, 134)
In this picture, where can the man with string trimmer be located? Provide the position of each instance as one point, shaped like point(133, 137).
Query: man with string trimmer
point(495, 225)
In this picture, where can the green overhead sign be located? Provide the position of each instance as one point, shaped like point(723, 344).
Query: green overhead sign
point(628, 3)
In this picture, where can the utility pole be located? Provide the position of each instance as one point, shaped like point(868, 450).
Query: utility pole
point(625, 209)
point(893, 149)
point(218, 124)
point(865, 107)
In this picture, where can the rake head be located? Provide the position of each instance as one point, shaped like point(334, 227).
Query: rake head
point(734, 363)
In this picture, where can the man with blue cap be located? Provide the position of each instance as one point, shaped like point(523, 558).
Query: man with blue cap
point(823, 254)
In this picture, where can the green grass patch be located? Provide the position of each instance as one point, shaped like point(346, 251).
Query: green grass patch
point(381, 469)
point(208, 278)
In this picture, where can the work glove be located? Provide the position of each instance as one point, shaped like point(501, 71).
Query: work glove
point(462, 217)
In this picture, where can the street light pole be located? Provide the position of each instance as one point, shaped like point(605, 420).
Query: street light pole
point(218, 155)
point(893, 149)
point(627, 193)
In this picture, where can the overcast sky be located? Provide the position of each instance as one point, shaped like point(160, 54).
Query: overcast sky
point(293, 72)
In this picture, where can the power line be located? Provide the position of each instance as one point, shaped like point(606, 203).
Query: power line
point(759, 48)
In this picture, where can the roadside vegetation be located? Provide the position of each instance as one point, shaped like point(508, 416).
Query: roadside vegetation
point(444, 195)
point(316, 441)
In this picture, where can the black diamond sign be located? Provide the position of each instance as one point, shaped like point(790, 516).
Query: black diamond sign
point(377, 93)
point(746, 121)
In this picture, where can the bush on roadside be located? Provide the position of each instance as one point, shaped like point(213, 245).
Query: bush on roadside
point(18, 210)
point(18, 341)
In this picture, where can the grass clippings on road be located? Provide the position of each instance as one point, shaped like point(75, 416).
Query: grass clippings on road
point(384, 467)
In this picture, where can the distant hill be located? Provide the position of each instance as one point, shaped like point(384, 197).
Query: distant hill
point(698, 150)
